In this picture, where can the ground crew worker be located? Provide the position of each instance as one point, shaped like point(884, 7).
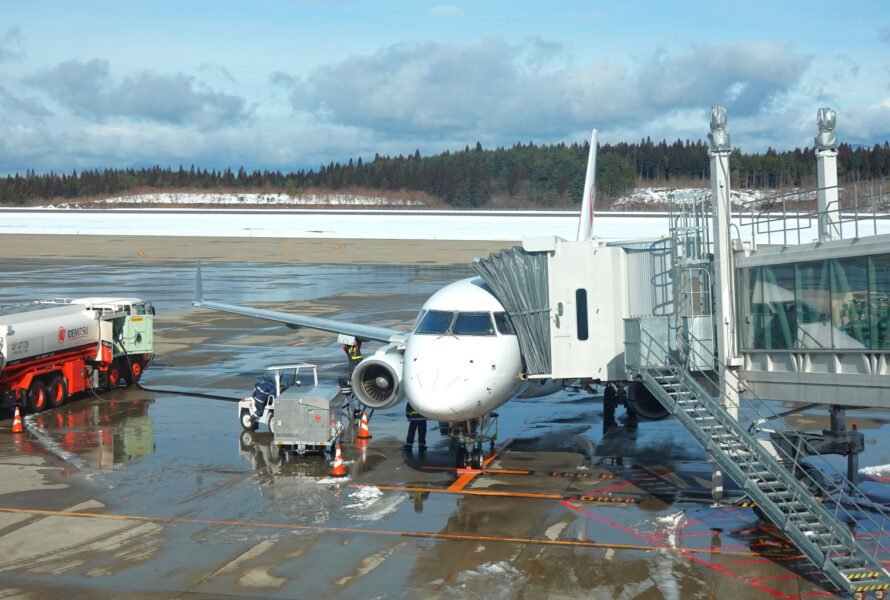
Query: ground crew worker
point(263, 392)
point(354, 354)
point(416, 422)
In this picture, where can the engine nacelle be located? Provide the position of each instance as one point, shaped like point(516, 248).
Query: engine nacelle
point(644, 403)
point(376, 381)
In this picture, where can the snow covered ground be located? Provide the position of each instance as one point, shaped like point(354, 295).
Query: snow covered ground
point(266, 215)
point(655, 198)
point(211, 199)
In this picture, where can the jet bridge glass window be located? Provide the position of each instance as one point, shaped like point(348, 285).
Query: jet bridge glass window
point(839, 304)
point(849, 303)
point(813, 305)
point(879, 299)
point(473, 323)
point(435, 322)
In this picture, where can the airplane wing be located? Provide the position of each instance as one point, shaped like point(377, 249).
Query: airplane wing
point(365, 332)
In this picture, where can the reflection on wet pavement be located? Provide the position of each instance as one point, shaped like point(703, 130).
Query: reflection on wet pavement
point(145, 492)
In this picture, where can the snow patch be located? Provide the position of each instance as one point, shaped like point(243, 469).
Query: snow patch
point(222, 199)
point(372, 504)
point(876, 471)
point(493, 580)
point(657, 197)
point(669, 525)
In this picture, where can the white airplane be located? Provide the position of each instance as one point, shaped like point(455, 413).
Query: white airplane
point(458, 364)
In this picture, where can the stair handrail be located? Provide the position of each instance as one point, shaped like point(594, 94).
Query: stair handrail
point(860, 511)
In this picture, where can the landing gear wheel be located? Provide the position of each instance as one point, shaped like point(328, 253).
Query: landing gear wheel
point(246, 422)
point(462, 457)
point(37, 399)
point(476, 459)
point(57, 392)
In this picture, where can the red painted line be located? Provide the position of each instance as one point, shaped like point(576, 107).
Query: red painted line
point(620, 485)
point(718, 515)
point(767, 560)
point(778, 577)
point(683, 553)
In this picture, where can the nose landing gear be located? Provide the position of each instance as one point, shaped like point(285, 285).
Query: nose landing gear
point(469, 437)
point(468, 458)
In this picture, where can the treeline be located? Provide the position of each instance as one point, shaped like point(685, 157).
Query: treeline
point(523, 175)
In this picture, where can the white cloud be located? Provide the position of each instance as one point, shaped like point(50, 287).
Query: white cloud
point(446, 10)
point(532, 89)
point(87, 90)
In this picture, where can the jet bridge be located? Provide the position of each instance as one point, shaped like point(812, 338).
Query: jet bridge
point(733, 332)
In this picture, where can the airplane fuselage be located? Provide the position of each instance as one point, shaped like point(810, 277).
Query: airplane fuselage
point(462, 358)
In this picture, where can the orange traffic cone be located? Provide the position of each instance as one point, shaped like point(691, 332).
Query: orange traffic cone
point(338, 470)
point(363, 433)
point(17, 422)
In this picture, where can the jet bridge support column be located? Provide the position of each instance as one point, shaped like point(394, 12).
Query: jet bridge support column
point(826, 175)
point(724, 279)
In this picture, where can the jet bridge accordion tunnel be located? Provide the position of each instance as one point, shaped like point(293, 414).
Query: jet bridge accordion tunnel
point(570, 300)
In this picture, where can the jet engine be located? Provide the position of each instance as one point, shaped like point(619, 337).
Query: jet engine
point(376, 381)
point(643, 403)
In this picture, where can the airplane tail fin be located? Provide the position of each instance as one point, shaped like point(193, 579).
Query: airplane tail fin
point(585, 220)
point(199, 290)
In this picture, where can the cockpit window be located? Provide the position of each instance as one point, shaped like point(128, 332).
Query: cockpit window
point(471, 323)
point(505, 326)
point(435, 322)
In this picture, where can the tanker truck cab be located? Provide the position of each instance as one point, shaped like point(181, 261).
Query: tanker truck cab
point(302, 415)
point(131, 336)
point(53, 349)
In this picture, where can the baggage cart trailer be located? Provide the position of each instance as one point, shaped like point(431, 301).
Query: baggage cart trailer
point(302, 418)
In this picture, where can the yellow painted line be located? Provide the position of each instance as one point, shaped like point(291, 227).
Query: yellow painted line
point(322, 528)
point(458, 490)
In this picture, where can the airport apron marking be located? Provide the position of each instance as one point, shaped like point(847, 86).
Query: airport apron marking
point(687, 553)
point(326, 529)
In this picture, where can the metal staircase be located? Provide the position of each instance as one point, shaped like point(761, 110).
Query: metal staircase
point(828, 524)
point(795, 487)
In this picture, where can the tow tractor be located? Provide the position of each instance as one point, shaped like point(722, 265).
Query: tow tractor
point(301, 418)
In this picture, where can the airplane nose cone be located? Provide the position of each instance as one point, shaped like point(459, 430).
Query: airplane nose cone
point(451, 379)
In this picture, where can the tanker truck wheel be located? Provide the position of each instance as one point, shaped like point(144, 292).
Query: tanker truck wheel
point(136, 370)
point(114, 375)
point(37, 397)
point(57, 392)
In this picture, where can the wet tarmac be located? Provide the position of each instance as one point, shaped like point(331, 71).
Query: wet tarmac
point(141, 494)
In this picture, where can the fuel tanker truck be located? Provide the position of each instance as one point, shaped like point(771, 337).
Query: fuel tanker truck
point(52, 350)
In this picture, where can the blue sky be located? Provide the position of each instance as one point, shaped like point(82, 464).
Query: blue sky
point(291, 84)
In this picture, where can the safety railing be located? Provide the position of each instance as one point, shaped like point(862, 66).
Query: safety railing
point(842, 518)
point(793, 218)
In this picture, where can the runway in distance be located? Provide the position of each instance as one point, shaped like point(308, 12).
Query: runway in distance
point(458, 363)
